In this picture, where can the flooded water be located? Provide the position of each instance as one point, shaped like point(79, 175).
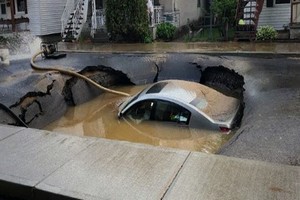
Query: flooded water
point(98, 118)
point(21, 45)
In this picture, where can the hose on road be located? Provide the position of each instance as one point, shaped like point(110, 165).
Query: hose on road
point(72, 73)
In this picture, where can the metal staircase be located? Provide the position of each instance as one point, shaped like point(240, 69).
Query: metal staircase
point(247, 16)
point(73, 19)
point(98, 30)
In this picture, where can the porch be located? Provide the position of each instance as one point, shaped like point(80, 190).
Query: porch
point(158, 16)
point(11, 25)
point(13, 15)
point(295, 20)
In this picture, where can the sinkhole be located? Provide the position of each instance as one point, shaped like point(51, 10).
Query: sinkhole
point(61, 103)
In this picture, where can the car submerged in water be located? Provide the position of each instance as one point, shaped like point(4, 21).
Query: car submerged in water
point(173, 113)
point(183, 103)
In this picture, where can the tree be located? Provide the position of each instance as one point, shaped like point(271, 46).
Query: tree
point(225, 11)
point(127, 20)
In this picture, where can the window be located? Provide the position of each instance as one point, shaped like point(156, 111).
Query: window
point(167, 111)
point(141, 111)
point(20, 5)
point(270, 3)
point(198, 3)
point(282, 1)
point(99, 4)
point(158, 110)
point(3, 9)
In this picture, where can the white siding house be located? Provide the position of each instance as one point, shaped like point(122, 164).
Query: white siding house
point(278, 15)
point(45, 16)
point(40, 17)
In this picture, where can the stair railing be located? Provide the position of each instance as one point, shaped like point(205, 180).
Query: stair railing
point(94, 18)
point(157, 15)
point(79, 18)
point(69, 8)
point(172, 17)
point(98, 18)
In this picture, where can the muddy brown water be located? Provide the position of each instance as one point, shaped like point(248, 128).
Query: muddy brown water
point(98, 118)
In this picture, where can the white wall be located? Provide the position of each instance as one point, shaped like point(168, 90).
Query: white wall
point(276, 16)
point(167, 4)
point(45, 16)
point(188, 9)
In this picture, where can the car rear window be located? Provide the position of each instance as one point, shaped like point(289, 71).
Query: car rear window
point(156, 88)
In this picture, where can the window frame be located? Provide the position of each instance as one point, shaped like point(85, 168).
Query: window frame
point(1, 9)
point(198, 3)
point(17, 11)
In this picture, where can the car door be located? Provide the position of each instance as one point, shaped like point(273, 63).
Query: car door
point(159, 119)
point(166, 111)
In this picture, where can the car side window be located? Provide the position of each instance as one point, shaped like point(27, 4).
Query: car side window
point(167, 111)
point(140, 111)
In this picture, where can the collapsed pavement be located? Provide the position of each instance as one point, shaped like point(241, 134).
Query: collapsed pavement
point(263, 76)
point(52, 92)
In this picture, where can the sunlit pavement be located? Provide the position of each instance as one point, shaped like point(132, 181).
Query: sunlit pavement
point(36, 164)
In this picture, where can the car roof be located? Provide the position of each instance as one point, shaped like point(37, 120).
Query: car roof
point(205, 99)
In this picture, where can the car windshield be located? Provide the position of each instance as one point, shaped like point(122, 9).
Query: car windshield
point(132, 99)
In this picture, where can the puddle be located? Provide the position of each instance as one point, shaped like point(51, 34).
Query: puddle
point(98, 118)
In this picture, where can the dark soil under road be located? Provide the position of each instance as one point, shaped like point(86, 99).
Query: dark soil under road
point(269, 129)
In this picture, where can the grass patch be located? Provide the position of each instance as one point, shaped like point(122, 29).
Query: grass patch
point(204, 35)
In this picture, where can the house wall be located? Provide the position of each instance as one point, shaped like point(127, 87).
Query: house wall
point(167, 4)
point(276, 16)
point(45, 16)
point(188, 9)
point(8, 13)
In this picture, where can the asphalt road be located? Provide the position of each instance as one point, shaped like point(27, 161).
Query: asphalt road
point(270, 127)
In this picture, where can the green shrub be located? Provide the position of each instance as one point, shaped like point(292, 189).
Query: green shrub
point(127, 20)
point(266, 33)
point(165, 31)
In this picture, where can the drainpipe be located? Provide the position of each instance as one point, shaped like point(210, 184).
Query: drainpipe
point(210, 21)
point(12, 11)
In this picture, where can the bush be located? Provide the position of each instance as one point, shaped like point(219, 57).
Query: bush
point(165, 31)
point(266, 33)
point(127, 20)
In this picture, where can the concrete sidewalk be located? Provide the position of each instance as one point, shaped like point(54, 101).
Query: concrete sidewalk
point(37, 164)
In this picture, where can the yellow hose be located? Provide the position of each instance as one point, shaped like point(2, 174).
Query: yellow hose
point(72, 73)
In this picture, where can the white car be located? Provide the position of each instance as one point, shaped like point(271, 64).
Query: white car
point(187, 103)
